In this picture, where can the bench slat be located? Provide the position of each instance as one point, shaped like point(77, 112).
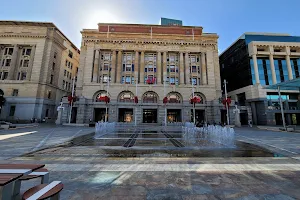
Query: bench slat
point(15, 171)
point(37, 173)
point(44, 190)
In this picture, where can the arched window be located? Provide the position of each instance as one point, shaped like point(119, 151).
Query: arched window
point(174, 97)
point(150, 97)
point(126, 96)
point(100, 95)
point(199, 94)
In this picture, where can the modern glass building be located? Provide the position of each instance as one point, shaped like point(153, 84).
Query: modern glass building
point(255, 61)
point(170, 22)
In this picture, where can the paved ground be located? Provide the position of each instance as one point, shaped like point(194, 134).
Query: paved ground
point(287, 143)
point(86, 175)
point(16, 142)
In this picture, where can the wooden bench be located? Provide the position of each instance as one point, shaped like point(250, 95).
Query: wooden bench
point(43, 173)
point(44, 191)
point(11, 190)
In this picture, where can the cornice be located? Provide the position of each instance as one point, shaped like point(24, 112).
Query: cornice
point(21, 35)
point(161, 42)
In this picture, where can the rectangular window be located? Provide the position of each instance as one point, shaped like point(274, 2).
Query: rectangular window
point(123, 79)
point(172, 58)
point(172, 80)
point(64, 82)
point(127, 80)
point(8, 61)
point(49, 95)
point(55, 54)
point(66, 63)
point(26, 63)
point(194, 81)
point(51, 79)
point(23, 75)
point(128, 67)
point(65, 72)
point(5, 75)
point(8, 51)
point(172, 68)
point(70, 54)
point(193, 59)
point(106, 66)
point(150, 68)
point(53, 66)
point(194, 69)
point(12, 111)
point(15, 92)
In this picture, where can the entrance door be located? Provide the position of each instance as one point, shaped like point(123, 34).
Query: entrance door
point(150, 116)
point(199, 115)
point(174, 115)
point(125, 115)
point(100, 114)
point(74, 115)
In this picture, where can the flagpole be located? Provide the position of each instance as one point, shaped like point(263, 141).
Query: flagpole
point(136, 93)
point(73, 88)
point(193, 93)
point(107, 96)
point(165, 104)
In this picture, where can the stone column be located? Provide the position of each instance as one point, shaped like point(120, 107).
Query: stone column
point(96, 66)
point(187, 69)
point(158, 67)
point(203, 69)
point(256, 68)
point(272, 69)
point(28, 76)
point(113, 66)
point(142, 68)
point(289, 67)
point(13, 63)
point(119, 67)
point(136, 66)
point(164, 66)
point(181, 69)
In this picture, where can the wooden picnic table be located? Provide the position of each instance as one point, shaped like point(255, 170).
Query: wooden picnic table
point(9, 174)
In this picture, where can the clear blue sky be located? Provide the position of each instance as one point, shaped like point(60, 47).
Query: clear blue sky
point(228, 18)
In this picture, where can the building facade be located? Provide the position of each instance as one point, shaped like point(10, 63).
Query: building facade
point(170, 22)
point(37, 63)
point(149, 63)
point(256, 61)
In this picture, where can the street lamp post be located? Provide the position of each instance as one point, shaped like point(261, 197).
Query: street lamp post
point(73, 88)
point(226, 104)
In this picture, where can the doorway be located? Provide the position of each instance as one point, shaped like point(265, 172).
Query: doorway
point(100, 114)
point(125, 115)
point(74, 115)
point(199, 115)
point(149, 115)
point(174, 115)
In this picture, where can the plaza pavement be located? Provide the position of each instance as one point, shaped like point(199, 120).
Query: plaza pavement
point(86, 175)
point(19, 141)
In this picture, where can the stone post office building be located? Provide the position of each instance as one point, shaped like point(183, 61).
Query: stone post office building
point(151, 62)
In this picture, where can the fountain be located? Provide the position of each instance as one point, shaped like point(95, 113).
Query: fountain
point(103, 128)
point(208, 136)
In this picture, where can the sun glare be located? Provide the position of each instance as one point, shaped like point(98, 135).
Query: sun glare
point(101, 16)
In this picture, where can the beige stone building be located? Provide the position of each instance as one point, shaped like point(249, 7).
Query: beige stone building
point(37, 63)
point(151, 62)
